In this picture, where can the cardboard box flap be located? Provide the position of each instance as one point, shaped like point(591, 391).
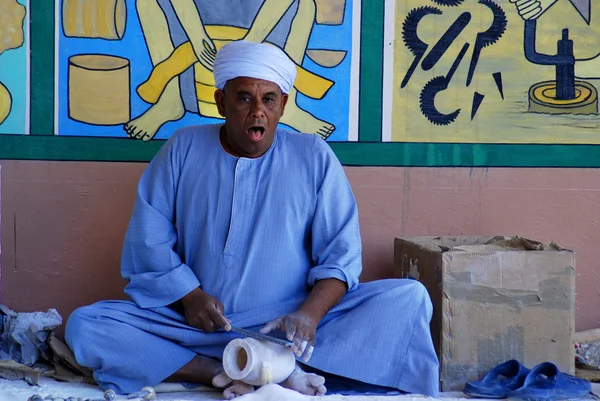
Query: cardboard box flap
point(501, 243)
point(480, 244)
point(439, 244)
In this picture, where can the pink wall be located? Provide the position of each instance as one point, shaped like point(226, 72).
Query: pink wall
point(63, 222)
point(561, 205)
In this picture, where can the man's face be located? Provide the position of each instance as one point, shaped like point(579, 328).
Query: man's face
point(252, 109)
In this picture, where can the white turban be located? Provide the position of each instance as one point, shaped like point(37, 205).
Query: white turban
point(254, 60)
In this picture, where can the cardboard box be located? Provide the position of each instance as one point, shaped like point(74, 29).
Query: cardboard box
point(494, 299)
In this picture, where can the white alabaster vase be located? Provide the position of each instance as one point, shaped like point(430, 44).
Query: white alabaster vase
point(257, 362)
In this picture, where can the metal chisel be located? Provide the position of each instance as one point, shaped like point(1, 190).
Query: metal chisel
point(259, 336)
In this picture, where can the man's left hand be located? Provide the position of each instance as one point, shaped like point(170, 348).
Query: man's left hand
point(300, 328)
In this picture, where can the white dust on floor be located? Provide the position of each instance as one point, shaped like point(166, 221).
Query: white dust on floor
point(21, 391)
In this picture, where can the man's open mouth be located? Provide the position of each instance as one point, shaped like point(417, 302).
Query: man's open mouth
point(256, 133)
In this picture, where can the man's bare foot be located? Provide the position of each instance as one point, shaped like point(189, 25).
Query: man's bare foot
point(303, 121)
point(305, 383)
point(168, 108)
point(233, 388)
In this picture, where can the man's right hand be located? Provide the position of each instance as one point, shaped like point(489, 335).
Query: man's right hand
point(204, 312)
point(532, 9)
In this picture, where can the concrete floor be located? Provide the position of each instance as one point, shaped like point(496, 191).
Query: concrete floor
point(21, 391)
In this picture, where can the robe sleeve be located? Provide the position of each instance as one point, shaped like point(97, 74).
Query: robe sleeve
point(336, 241)
point(156, 274)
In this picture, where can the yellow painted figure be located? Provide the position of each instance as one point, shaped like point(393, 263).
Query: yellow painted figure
point(12, 36)
point(12, 15)
point(5, 103)
point(188, 33)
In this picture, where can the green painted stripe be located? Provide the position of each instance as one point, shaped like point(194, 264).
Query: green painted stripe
point(350, 153)
point(53, 147)
point(41, 14)
point(466, 155)
point(371, 70)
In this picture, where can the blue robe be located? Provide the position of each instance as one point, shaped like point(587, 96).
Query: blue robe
point(255, 234)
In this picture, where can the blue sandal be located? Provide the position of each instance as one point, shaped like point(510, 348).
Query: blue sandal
point(546, 383)
point(499, 381)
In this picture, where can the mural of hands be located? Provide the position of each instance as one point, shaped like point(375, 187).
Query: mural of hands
point(532, 9)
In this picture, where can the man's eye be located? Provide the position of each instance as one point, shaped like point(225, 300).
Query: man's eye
point(244, 98)
point(269, 99)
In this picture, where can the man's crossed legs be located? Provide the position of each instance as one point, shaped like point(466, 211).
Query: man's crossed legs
point(379, 334)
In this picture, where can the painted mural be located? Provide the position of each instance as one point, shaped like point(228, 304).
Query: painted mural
point(490, 71)
point(385, 82)
point(141, 69)
point(14, 58)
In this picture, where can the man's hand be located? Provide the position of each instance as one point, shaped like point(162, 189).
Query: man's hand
point(299, 328)
point(204, 312)
point(206, 53)
point(532, 9)
point(190, 19)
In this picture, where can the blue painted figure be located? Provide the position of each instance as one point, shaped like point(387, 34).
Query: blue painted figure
point(246, 224)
